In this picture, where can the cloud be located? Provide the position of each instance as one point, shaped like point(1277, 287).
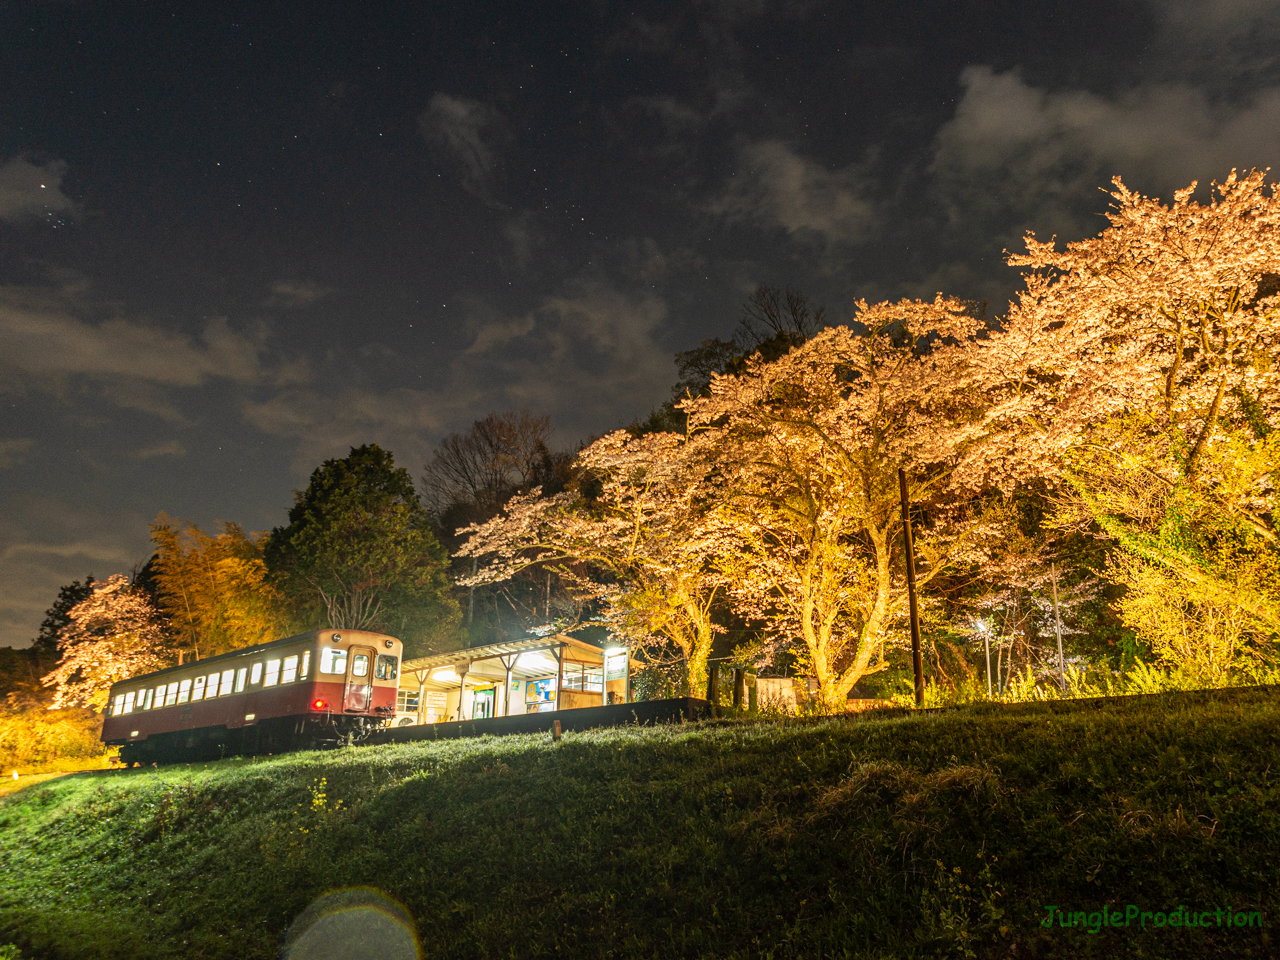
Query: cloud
point(30, 191)
point(589, 356)
point(14, 452)
point(45, 341)
point(327, 423)
point(289, 295)
point(1217, 41)
point(86, 550)
point(169, 448)
point(777, 187)
point(470, 133)
point(1032, 152)
point(52, 542)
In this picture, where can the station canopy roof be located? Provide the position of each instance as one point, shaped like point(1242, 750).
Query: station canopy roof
point(571, 649)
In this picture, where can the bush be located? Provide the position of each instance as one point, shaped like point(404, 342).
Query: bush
point(36, 737)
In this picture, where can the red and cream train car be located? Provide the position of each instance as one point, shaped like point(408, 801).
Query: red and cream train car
point(323, 687)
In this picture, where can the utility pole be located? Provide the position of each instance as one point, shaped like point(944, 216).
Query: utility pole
point(986, 642)
point(910, 546)
point(1057, 627)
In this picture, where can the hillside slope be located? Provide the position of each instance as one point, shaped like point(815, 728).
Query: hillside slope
point(937, 834)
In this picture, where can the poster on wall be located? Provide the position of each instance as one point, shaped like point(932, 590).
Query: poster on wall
point(540, 691)
point(434, 706)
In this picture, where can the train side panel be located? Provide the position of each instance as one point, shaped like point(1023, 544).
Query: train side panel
point(293, 679)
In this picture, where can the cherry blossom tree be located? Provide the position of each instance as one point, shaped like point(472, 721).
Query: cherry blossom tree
point(632, 543)
point(805, 451)
point(1173, 314)
point(1140, 373)
point(112, 635)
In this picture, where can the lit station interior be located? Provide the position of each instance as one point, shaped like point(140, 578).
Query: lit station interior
point(512, 678)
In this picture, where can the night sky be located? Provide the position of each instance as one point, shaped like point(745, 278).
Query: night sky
point(236, 240)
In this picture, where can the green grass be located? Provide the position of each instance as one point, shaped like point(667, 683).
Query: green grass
point(772, 839)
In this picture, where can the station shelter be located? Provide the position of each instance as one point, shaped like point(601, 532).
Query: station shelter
point(510, 678)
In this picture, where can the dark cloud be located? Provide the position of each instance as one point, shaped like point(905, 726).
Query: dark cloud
point(776, 187)
point(14, 451)
point(291, 295)
point(470, 134)
point(30, 191)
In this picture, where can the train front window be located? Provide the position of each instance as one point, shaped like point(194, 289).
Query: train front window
point(198, 692)
point(128, 702)
point(171, 694)
point(241, 674)
point(118, 707)
point(333, 660)
point(273, 673)
point(228, 677)
point(386, 668)
point(360, 665)
point(184, 691)
point(290, 670)
point(256, 676)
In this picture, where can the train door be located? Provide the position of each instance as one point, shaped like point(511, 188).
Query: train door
point(359, 691)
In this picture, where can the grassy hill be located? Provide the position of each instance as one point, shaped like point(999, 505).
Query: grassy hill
point(939, 834)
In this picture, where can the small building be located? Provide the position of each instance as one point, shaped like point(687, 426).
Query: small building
point(511, 678)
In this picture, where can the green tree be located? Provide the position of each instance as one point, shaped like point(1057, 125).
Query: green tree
point(358, 553)
point(59, 615)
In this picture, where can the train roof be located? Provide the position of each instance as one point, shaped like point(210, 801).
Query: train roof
point(249, 652)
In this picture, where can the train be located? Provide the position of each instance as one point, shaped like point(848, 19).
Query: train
point(317, 689)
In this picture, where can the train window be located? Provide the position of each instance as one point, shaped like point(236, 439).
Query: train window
point(333, 660)
point(118, 707)
point(273, 673)
point(184, 691)
point(212, 689)
point(256, 676)
point(147, 705)
point(171, 694)
point(290, 670)
point(306, 665)
point(227, 677)
point(240, 677)
point(128, 702)
point(360, 665)
point(159, 702)
point(386, 668)
point(198, 692)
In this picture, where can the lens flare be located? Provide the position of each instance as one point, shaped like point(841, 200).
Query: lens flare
point(352, 924)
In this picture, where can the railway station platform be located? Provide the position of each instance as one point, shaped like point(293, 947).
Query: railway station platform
point(646, 712)
point(512, 678)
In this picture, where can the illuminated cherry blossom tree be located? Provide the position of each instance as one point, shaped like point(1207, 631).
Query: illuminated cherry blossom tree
point(634, 544)
point(805, 452)
point(1139, 372)
point(113, 635)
